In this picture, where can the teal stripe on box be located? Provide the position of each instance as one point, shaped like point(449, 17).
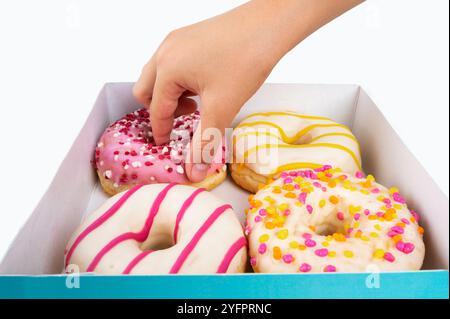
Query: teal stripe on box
point(421, 284)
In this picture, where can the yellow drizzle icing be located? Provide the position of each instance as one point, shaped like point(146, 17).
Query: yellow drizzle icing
point(329, 145)
point(288, 114)
point(292, 139)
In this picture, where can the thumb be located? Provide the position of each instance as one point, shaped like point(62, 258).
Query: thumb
point(205, 144)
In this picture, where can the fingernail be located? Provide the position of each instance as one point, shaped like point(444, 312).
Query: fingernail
point(199, 172)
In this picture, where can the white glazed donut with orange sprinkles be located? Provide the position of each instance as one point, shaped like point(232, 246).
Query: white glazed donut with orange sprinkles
point(159, 229)
point(324, 220)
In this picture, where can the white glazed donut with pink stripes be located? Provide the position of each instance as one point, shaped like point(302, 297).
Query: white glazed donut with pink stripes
point(159, 229)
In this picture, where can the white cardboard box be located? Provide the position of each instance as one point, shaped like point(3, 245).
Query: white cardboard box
point(39, 246)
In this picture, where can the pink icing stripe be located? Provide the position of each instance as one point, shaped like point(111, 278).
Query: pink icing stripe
point(187, 203)
point(98, 222)
point(196, 238)
point(136, 260)
point(232, 251)
point(140, 236)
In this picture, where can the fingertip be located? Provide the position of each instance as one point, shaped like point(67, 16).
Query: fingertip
point(196, 172)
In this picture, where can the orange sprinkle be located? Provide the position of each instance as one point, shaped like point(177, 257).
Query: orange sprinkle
point(301, 247)
point(270, 225)
point(276, 253)
point(339, 237)
point(332, 183)
point(421, 230)
point(290, 195)
point(397, 238)
point(312, 228)
point(334, 199)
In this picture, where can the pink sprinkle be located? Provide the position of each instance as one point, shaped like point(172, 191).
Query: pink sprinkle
point(324, 189)
point(408, 248)
point(389, 257)
point(329, 268)
point(293, 173)
point(284, 175)
point(359, 174)
point(321, 252)
point(247, 230)
point(340, 215)
point(327, 167)
point(296, 186)
point(287, 180)
point(398, 198)
point(309, 209)
point(392, 233)
point(288, 258)
point(302, 197)
point(397, 229)
point(366, 212)
point(349, 231)
point(257, 218)
point(415, 215)
point(305, 267)
point(262, 248)
point(375, 190)
point(400, 245)
point(317, 184)
point(287, 212)
point(387, 201)
point(262, 212)
point(306, 235)
point(380, 214)
point(357, 216)
point(310, 243)
point(252, 261)
point(405, 221)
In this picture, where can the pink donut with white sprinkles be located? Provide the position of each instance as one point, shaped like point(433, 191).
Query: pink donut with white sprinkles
point(126, 154)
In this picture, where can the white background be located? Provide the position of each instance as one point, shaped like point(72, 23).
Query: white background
point(56, 55)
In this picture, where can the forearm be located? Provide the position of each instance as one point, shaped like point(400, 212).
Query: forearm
point(282, 24)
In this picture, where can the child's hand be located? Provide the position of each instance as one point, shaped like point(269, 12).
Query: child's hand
point(224, 60)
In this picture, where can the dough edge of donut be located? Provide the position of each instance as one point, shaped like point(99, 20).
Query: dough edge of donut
point(208, 183)
point(246, 178)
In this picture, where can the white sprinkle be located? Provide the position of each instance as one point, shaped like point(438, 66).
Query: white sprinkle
point(101, 163)
point(150, 157)
point(136, 164)
point(108, 174)
point(166, 167)
point(116, 185)
point(165, 150)
point(224, 168)
point(180, 169)
point(116, 134)
point(126, 166)
point(127, 144)
point(116, 157)
point(152, 178)
point(100, 144)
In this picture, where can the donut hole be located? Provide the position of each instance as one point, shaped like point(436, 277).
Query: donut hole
point(305, 139)
point(327, 229)
point(157, 242)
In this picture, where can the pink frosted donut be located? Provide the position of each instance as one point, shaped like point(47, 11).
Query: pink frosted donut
point(159, 229)
point(125, 154)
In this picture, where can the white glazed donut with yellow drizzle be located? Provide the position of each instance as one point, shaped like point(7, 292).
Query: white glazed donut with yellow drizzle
point(324, 220)
point(265, 144)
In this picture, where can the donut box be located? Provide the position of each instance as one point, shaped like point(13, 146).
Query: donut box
point(33, 265)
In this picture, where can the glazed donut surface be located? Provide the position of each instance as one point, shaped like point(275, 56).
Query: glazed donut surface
point(265, 144)
point(324, 220)
point(159, 229)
